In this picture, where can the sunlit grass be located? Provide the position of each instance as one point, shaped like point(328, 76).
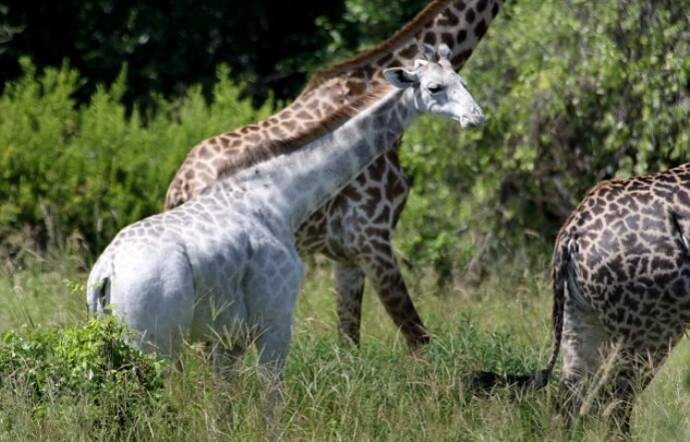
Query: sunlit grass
point(336, 392)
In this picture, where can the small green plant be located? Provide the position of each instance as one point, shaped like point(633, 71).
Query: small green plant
point(92, 364)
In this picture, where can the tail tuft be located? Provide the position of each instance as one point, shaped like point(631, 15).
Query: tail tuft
point(98, 294)
point(562, 271)
point(487, 380)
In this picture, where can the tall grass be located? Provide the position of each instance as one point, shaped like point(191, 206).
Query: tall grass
point(336, 392)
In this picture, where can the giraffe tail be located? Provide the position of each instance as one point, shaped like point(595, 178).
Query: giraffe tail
point(98, 289)
point(562, 274)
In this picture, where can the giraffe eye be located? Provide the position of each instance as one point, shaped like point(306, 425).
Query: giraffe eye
point(435, 88)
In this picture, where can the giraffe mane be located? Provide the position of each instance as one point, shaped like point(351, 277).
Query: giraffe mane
point(268, 149)
point(401, 36)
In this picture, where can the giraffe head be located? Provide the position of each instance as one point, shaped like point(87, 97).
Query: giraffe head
point(438, 89)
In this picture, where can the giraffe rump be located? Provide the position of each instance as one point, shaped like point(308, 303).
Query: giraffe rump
point(621, 278)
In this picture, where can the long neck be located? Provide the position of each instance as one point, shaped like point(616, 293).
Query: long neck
point(297, 183)
point(460, 24)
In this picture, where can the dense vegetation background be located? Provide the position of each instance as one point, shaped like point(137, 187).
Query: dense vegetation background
point(101, 101)
point(271, 46)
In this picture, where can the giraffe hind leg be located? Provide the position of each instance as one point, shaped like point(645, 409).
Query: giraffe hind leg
point(349, 288)
point(636, 370)
point(583, 339)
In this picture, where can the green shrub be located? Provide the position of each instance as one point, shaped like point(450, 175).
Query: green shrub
point(76, 360)
point(76, 173)
point(92, 364)
point(575, 92)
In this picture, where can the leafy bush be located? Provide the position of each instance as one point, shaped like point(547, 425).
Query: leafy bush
point(91, 363)
point(575, 92)
point(76, 359)
point(168, 47)
point(82, 173)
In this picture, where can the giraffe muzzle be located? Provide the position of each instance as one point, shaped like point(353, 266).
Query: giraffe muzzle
point(475, 119)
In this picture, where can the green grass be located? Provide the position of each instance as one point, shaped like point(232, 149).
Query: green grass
point(336, 392)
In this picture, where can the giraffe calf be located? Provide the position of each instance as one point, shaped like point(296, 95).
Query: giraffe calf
point(226, 260)
point(621, 282)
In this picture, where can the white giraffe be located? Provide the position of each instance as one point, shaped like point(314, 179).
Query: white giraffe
point(226, 261)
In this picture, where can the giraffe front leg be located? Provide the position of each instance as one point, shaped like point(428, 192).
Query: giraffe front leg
point(272, 284)
point(349, 288)
point(382, 269)
point(272, 346)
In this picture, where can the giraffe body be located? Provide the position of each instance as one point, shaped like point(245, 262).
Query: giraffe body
point(225, 264)
point(627, 288)
point(202, 269)
point(621, 277)
point(355, 227)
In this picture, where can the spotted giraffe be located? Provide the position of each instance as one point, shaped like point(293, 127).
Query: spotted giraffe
point(621, 280)
point(224, 266)
point(355, 227)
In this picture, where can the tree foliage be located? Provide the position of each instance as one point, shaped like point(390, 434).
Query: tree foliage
point(172, 45)
point(271, 46)
point(575, 92)
point(76, 174)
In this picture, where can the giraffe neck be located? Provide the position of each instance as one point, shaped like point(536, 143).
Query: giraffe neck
point(460, 24)
point(297, 183)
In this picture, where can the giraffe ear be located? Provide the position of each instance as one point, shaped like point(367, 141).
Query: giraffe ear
point(400, 77)
point(443, 52)
point(428, 51)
